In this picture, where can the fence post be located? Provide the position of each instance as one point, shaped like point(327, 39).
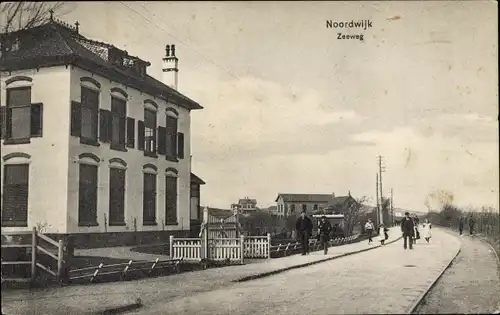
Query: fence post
point(60, 256)
point(33, 255)
point(268, 245)
point(242, 248)
point(171, 251)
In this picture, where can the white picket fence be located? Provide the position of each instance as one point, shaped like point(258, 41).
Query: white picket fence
point(189, 249)
point(219, 249)
point(257, 246)
point(226, 249)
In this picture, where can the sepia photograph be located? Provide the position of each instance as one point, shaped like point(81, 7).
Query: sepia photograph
point(217, 157)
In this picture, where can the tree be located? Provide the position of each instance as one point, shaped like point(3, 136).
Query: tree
point(385, 206)
point(22, 15)
point(258, 220)
point(354, 214)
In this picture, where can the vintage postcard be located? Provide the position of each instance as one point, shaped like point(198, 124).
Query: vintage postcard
point(217, 157)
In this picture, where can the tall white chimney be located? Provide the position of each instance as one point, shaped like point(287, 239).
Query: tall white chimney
point(170, 67)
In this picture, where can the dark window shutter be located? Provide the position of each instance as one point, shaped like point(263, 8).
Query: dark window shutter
point(140, 135)
point(104, 125)
point(162, 140)
point(3, 121)
point(130, 132)
point(180, 144)
point(76, 119)
point(36, 119)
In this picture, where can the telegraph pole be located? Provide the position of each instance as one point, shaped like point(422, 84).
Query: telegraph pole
point(392, 209)
point(380, 170)
point(378, 204)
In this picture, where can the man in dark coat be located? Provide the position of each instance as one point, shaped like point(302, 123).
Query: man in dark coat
point(461, 225)
point(325, 228)
point(304, 228)
point(471, 224)
point(407, 227)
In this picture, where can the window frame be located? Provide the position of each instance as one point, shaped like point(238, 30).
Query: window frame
point(15, 223)
point(94, 114)
point(150, 220)
point(152, 149)
point(118, 116)
point(171, 200)
point(171, 137)
point(8, 116)
point(90, 218)
point(120, 220)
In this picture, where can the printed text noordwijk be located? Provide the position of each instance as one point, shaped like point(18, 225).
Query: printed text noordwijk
point(364, 24)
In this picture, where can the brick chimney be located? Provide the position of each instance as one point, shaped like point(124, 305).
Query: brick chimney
point(170, 67)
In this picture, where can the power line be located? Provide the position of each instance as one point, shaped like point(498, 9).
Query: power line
point(179, 40)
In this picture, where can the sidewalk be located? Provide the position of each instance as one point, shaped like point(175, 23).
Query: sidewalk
point(93, 298)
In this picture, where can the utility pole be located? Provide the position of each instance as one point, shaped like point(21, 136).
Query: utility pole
point(392, 209)
point(380, 170)
point(378, 204)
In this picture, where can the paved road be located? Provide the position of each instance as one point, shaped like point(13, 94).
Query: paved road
point(367, 283)
point(470, 286)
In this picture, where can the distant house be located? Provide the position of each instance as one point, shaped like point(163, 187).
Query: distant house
point(294, 204)
point(273, 210)
point(245, 205)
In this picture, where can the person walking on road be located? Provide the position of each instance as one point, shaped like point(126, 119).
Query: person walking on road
point(471, 225)
point(369, 230)
point(427, 230)
point(416, 232)
point(304, 227)
point(325, 228)
point(381, 234)
point(407, 228)
point(461, 225)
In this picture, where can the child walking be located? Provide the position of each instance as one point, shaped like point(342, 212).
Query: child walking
point(381, 234)
point(427, 230)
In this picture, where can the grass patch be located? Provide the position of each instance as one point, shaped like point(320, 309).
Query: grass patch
point(154, 249)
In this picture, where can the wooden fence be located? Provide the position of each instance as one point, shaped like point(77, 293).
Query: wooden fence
point(40, 247)
point(239, 249)
point(189, 249)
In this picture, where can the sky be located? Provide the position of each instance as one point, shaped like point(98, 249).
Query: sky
point(289, 108)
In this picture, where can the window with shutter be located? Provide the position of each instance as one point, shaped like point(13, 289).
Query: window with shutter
point(130, 132)
point(171, 138)
point(116, 197)
point(149, 200)
point(87, 193)
point(18, 122)
point(76, 119)
point(162, 140)
point(149, 131)
point(140, 135)
point(118, 122)
point(104, 125)
point(89, 115)
point(3, 120)
point(15, 195)
point(36, 119)
point(171, 200)
point(180, 144)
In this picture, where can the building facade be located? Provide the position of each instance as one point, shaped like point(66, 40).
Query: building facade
point(92, 146)
point(245, 205)
point(294, 204)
